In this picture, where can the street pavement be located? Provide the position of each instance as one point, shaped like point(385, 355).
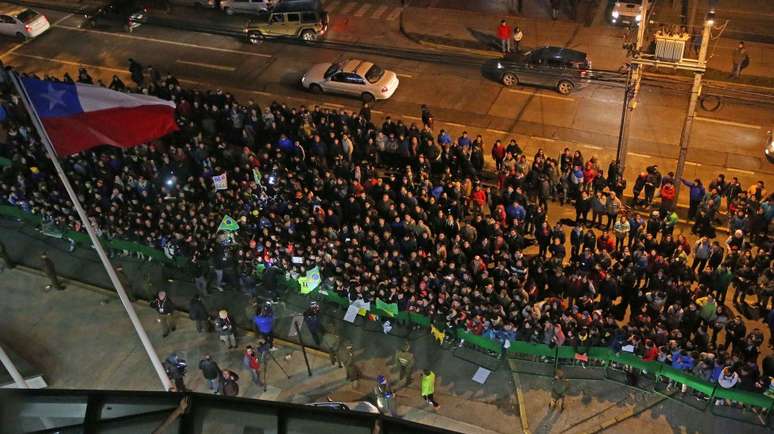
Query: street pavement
point(728, 140)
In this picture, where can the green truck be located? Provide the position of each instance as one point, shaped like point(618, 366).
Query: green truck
point(303, 19)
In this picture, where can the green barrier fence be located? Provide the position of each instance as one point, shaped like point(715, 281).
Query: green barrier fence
point(520, 350)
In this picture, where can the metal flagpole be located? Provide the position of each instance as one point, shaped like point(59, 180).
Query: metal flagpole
point(11, 368)
point(154, 358)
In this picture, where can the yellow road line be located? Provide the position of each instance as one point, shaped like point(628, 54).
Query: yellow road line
point(207, 65)
point(164, 41)
point(454, 124)
point(691, 163)
point(591, 147)
point(746, 172)
point(639, 155)
point(542, 95)
point(71, 63)
point(411, 117)
point(731, 123)
point(497, 131)
point(405, 75)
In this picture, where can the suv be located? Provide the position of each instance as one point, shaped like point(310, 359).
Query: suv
point(304, 19)
point(627, 12)
point(560, 68)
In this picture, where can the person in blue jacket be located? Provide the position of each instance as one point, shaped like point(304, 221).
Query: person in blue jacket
point(264, 324)
point(697, 194)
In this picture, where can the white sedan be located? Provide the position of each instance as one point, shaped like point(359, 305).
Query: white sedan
point(351, 77)
point(22, 23)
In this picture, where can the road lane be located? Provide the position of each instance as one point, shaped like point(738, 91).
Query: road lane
point(456, 93)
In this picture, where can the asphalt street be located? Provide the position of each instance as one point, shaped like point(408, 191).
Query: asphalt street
point(728, 140)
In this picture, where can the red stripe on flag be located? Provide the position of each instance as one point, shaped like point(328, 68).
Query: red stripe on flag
point(121, 127)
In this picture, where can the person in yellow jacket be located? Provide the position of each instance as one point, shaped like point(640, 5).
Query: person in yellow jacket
point(428, 387)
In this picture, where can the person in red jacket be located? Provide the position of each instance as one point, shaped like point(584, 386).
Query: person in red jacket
point(667, 198)
point(498, 154)
point(504, 34)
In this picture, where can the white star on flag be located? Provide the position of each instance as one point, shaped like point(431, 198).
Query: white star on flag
point(54, 97)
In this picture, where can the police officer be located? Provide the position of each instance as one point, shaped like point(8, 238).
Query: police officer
point(50, 270)
point(7, 261)
point(385, 397)
point(166, 309)
point(347, 358)
point(404, 358)
point(312, 320)
point(332, 344)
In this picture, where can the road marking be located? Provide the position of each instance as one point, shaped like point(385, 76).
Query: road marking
point(332, 5)
point(363, 9)
point(67, 62)
point(347, 8)
point(62, 19)
point(454, 124)
point(733, 124)
point(379, 11)
point(21, 44)
point(691, 163)
point(412, 117)
point(545, 139)
point(405, 75)
point(639, 155)
point(377, 111)
point(542, 95)
point(746, 172)
point(207, 65)
point(334, 105)
point(12, 49)
point(164, 41)
point(394, 14)
point(591, 147)
point(263, 93)
point(497, 131)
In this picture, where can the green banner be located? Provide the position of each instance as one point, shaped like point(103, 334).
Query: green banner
point(389, 309)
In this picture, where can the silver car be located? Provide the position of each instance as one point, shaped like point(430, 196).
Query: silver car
point(249, 7)
point(351, 77)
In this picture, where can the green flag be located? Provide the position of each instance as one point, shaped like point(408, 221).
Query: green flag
point(313, 278)
point(390, 309)
point(228, 224)
point(257, 176)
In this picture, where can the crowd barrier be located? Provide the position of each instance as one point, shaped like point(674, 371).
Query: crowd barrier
point(530, 358)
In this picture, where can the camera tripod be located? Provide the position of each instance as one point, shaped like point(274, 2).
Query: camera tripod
point(266, 367)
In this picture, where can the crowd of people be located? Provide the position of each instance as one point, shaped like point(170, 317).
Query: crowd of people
point(404, 213)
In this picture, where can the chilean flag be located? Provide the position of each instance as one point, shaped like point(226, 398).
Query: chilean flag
point(78, 117)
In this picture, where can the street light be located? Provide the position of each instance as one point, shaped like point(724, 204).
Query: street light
point(768, 150)
point(710, 17)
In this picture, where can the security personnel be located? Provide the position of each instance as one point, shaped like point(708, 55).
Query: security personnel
point(50, 270)
point(428, 387)
point(332, 344)
point(165, 308)
point(404, 358)
point(347, 358)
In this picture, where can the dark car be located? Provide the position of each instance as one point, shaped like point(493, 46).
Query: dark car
point(559, 68)
point(130, 13)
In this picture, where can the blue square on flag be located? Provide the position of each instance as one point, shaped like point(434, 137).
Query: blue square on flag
point(52, 99)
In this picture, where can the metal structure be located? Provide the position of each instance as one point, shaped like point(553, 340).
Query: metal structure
point(669, 52)
point(94, 411)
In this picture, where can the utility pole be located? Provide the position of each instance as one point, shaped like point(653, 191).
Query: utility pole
point(685, 136)
point(632, 89)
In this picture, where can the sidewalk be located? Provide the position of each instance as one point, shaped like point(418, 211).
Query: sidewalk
point(79, 342)
point(475, 33)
